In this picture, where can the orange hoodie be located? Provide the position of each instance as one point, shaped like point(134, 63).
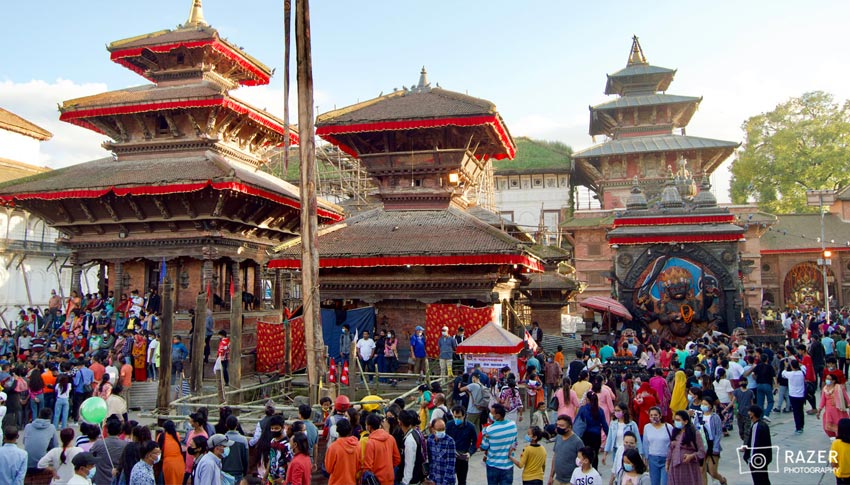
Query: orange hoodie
point(342, 461)
point(381, 456)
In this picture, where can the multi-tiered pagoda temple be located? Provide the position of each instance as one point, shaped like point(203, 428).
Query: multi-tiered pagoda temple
point(675, 253)
point(183, 183)
point(426, 149)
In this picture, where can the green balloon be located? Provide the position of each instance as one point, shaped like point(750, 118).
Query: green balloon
point(93, 410)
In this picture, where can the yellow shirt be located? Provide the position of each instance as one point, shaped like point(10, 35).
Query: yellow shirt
point(581, 388)
point(840, 453)
point(532, 461)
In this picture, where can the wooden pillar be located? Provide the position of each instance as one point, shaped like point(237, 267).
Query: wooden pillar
point(117, 279)
point(201, 304)
point(76, 273)
point(236, 329)
point(163, 397)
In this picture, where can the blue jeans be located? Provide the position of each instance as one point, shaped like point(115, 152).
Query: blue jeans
point(783, 399)
point(765, 392)
point(35, 407)
point(498, 476)
point(657, 469)
point(60, 413)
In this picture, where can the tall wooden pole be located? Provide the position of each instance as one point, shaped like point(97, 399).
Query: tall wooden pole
point(163, 397)
point(235, 369)
point(309, 204)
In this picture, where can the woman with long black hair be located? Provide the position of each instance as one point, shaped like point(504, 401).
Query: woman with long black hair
point(173, 456)
point(685, 453)
point(589, 425)
point(58, 460)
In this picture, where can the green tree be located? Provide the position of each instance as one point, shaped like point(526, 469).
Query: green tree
point(802, 144)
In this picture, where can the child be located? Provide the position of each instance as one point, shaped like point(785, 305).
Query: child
point(533, 458)
point(540, 418)
point(585, 474)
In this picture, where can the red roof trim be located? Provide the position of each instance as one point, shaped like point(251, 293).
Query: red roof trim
point(394, 261)
point(669, 221)
point(693, 238)
point(802, 250)
point(78, 117)
point(122, 57)
point(168, 189)
point(493, 349)
point(507, 143)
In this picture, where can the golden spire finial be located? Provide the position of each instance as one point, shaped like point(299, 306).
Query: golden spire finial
point(636, 55)
point(196, 15)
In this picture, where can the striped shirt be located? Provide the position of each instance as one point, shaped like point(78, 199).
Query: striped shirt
point(499, 439)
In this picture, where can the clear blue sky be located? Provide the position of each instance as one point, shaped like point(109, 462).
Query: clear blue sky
point(541, 62)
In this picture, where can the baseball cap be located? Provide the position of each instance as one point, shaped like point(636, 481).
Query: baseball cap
point(83, 459)
point(218, 440)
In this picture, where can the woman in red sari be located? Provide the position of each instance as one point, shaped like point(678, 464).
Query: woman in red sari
point(645, 398)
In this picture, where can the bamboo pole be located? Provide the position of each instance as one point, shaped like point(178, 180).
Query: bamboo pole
point(309, 203)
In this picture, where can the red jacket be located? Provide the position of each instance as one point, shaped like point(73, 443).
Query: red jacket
point(810, 368)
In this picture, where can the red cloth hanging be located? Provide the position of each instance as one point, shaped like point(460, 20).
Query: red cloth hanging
point(438, 315)
point(298, 345)
point(270, 347)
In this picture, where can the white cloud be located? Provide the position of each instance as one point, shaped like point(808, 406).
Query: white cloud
point(270, 98)
point(37, 101)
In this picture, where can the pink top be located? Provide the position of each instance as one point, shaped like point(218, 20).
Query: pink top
point(190, 459)
point(570, 408)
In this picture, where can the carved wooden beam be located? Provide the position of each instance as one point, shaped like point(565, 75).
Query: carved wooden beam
point(135, 208)
point(219, 206)
point(187, 204)
point(241, 124)
point(63, 213)
point(99, 229)
point(87, 211)
point(109, 209)
point(105, 128)
point(163, 210)
point(225, 123)
point(140, 121)
point(243, 209)
point(172, 126)
point(122, 129)
point(148, 227)
point(173, 226)
point(261, 213)
point(123, 228)
point(212, 119)
point(149, 63)
point(194, 122)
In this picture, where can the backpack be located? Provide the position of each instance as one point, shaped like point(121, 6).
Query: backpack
point(483, 401)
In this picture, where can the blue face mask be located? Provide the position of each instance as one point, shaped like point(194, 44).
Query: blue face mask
point(458, 421)
point(697, 374)
point(705, 408)
point(440, 434)
point(226, 452)
point(527, 439)
point(92, 473)
point(492, 418)
point(679, 424)
point(628, 467)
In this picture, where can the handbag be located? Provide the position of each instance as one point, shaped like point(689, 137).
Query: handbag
point(554, 403)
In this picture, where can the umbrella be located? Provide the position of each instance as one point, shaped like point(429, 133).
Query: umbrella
point(604, 304)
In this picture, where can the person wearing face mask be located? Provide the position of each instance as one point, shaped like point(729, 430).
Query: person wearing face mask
point(634, 470)
point(208, 470)
point(84, 469)
point(621, 423)
point(533, 458)
point(447, 345)
point(465, 438)
point(594, 363)
point(833, 404)
point(656, 442)
point(143, 473)
point(585, 473)
point(441, 455)
point(565, 452)
point(712, 429)
point(278, 450)
point(685, 452)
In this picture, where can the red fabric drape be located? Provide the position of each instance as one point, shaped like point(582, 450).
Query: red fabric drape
point(388, 261)
point(270, 347)
point(667, 221)
point(694, 238)
point(298, 344)
point(438, 315)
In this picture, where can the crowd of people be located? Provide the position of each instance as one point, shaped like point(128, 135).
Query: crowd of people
point(659, 411)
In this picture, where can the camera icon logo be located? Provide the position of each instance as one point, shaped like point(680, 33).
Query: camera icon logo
point(764, 458)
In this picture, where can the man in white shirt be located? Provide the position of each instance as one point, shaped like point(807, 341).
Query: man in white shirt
point(735, 370)
point(365, 351)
